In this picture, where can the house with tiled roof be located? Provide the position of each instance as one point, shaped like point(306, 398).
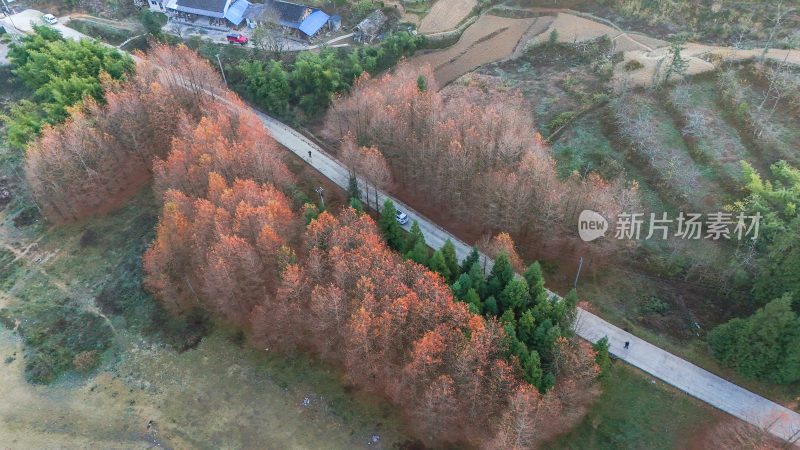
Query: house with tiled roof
point(301, 20)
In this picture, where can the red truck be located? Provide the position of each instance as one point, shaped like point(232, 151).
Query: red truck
point(236, 38)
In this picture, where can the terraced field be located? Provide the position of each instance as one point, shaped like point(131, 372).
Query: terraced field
point(489, 39)
point(446, 15)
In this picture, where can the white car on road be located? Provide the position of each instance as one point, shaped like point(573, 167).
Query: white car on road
point(49, 18)
point(401, 217)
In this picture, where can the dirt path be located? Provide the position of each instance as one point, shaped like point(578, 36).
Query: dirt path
point(697, 55)
point(538, 27)
point(650, 52)
point(446, 15)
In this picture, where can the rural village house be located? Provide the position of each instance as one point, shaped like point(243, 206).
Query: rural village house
point(369, 28)
point(300, 20)
point(217, 12)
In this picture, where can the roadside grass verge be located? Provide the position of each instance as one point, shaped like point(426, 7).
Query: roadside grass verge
point(102, 31)
point(636, 412)
point(632, 303)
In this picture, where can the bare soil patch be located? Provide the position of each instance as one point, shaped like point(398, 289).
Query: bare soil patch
point(489, 39)
point(446, 15)
point(571, 28)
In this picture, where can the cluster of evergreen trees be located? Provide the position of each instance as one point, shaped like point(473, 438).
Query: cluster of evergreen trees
point(311, 81)
point(61, 73)
point(766, 345)
point(532, 320)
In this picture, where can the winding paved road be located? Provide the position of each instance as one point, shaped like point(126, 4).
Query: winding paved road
point(695, 381)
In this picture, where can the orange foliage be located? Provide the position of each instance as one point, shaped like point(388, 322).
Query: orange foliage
point(503, 243)
point(220, 253)
point(103, 153)
point(477, 157)
point(226, 238)
point(528, 421)
point(230, 142)
point(395, 328)
point(732, 433)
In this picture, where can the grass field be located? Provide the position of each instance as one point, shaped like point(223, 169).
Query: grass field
point(635, 412)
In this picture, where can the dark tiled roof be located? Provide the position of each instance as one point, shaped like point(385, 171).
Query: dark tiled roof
point(217, 6)
point(287, 12)
point(253, 12)
point(372, 23)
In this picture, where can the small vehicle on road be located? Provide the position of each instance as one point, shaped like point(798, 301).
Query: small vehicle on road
point(49, 18)
point(401, 217)
point(237, 38)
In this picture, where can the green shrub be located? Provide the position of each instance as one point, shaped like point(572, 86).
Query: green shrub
point(654, 305)
point(560, 120)
point(632, 65)
point(362, 9)
point(552, 38)
point(153, 21)
point(604, 67)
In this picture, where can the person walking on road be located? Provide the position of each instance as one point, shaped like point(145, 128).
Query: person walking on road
point(309, 155)
point(627, 345)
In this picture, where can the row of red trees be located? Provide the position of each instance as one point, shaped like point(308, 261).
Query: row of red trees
point(392, 325)
point(397, 331)
point(229, 242)
point(235, 247)
point(474, 155)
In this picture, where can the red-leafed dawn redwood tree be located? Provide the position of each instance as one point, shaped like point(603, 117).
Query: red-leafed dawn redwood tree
point(477, 157)
point(223, 253)
point(230, 141)
point(397, 331)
